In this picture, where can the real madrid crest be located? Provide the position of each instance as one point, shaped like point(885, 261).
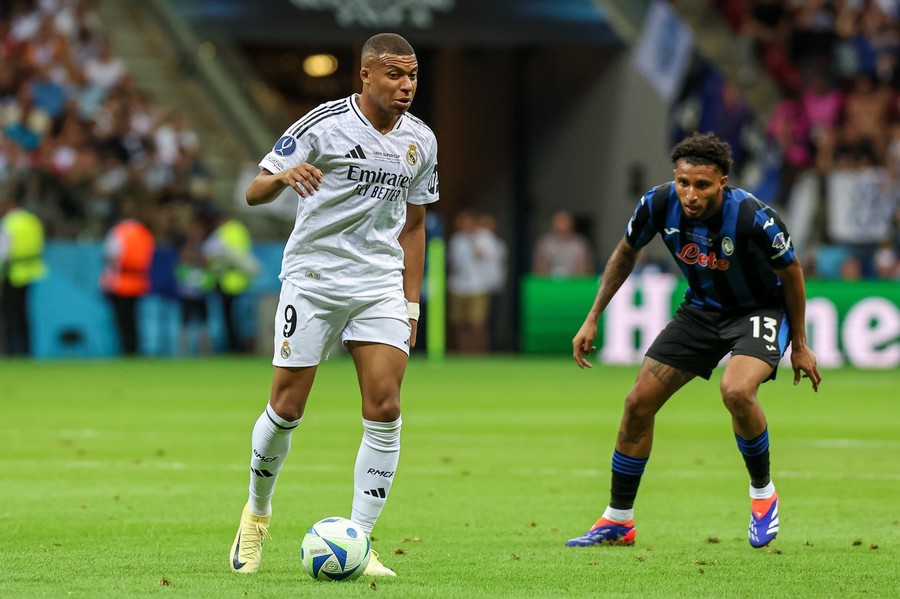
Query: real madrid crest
point(285, 350)
point(727, 246)
point(411, 156)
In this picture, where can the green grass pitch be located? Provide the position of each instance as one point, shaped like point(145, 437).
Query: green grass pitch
point(126, 478)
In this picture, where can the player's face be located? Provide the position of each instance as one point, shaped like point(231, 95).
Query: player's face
point(699, 188)
point(391, 82)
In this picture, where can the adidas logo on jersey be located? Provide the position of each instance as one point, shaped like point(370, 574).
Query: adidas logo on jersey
point(356, 152)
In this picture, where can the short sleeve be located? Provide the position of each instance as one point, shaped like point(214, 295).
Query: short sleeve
point(771, 237)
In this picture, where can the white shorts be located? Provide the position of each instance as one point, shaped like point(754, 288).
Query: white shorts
point(308, 324)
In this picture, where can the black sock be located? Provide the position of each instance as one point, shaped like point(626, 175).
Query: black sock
point(756, 456)
point(626, 478)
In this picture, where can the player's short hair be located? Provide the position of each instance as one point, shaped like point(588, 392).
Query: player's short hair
point(704, 148)
point(386, 43)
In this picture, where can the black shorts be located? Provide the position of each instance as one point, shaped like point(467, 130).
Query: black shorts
point(696, 340)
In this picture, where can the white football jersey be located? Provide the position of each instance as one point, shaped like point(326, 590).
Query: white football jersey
point(345, 238)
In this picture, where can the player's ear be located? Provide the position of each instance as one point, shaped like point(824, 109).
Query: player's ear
point(364, 75)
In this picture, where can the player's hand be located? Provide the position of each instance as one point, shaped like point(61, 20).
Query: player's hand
point(303, 178)
point(583, 344)
point(803, 360)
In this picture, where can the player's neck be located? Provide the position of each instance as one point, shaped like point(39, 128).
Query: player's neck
point(381, 120)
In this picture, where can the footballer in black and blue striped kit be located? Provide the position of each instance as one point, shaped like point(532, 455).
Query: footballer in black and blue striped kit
point(746, 297)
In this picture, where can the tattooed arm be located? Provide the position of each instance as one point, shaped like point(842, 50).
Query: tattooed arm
point(617, 269)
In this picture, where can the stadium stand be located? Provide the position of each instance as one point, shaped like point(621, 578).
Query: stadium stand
point(836, 125)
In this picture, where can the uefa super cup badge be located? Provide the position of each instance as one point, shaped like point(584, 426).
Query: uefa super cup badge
point(411, 156)
point(285, 350)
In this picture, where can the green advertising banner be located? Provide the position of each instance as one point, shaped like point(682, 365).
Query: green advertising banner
point(848, 323)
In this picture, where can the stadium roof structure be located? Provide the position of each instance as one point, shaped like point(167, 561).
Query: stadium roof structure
point(478, 23)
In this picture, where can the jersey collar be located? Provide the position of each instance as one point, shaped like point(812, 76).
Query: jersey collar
point(352, 100)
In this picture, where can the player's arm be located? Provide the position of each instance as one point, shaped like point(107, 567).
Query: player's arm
point(412, 240)
point(303, 178)
point(802, 357)
point(617, 269)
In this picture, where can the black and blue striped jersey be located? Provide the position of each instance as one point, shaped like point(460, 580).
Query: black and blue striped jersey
point(728, 259)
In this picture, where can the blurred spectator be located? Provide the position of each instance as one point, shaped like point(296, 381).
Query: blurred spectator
point(866, 111)
point(229, 253)
point(712, 103)
point(887, 264)
point(562, 251)
point(21, 265)
point(128, 253)
point(788, 127)
point(476, 264)
point(851, 269)
point(822, 104)
point(194, 283)
point(496, 265)
point(103, 70)
point(768, 24)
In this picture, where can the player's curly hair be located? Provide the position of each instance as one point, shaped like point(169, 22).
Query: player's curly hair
point(704, 148)
point(386, 43)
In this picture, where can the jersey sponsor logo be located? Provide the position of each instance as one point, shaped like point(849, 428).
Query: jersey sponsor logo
point(379, 177)
point(671, 230)
point(768, 223)
point(380, 184)
point(691, 254)
point(727, 246)
point(411, 157)
point(285, 146)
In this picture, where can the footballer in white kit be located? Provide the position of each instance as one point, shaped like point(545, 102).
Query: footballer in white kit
point(344, 252)
point(363, 169)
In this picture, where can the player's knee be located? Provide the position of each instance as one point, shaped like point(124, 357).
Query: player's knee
point(287, 405)
point(737, 398)
point(383, 407)
point(639, 411)
point(287, 411)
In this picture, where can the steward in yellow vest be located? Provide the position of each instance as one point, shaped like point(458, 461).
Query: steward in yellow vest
point(21, 265)
point(229, 251)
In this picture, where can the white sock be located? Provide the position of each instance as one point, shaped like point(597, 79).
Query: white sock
point(271, 443)
point(763, 493)
point(618, 515)
point(376, 462)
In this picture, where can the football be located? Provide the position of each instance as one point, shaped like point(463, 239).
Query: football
point(335, 549)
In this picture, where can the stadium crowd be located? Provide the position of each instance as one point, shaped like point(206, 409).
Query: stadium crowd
point(836, 127)
point(82, 146)
point(79, 138)
point(85, 149)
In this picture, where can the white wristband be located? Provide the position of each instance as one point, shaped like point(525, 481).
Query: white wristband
point(413, 309)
